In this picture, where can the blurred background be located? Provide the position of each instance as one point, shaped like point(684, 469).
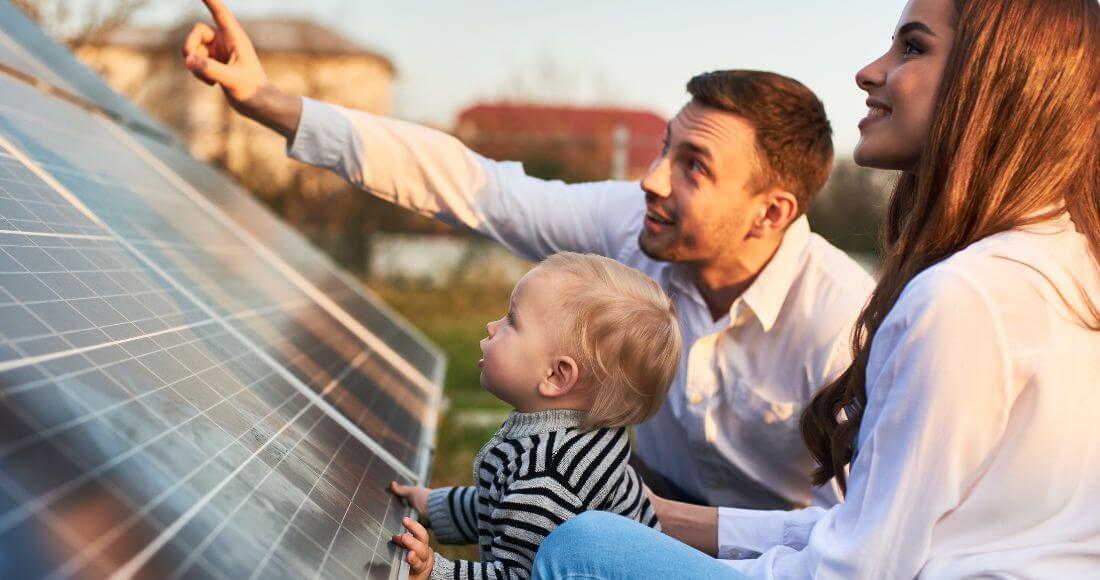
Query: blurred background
point(577, 91)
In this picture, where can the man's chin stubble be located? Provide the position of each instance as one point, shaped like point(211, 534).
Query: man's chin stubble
point(665, 254)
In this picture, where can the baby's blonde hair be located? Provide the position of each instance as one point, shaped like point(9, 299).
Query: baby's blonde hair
point(622, 329)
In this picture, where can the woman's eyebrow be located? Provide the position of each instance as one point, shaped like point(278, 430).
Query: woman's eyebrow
point(915, 25)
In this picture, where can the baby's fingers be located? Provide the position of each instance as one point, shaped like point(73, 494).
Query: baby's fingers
point(416, 565)
point(418, 531)
point(402, 491)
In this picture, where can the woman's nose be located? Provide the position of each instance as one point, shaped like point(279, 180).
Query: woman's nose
point(872, 75)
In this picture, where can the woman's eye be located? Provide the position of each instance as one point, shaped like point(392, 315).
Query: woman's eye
point(912, 48)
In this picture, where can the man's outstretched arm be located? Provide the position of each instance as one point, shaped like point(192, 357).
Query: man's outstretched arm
point(418, 168)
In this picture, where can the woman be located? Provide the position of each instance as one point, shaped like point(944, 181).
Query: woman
point(967, 421)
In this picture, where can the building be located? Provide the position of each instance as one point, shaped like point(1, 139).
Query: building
point(300, 56)
point(569, 143)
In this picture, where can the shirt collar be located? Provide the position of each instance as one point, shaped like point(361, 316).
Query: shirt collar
point(766, 295)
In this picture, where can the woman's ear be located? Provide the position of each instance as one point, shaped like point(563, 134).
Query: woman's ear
point(560, 379)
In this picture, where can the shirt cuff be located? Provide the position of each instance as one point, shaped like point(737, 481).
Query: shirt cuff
point(746, 533)
point(322, 135)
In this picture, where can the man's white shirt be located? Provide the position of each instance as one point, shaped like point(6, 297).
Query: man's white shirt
point(728, 433)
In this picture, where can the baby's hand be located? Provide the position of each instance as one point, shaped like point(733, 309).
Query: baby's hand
point(416, 497)
point(421, 558)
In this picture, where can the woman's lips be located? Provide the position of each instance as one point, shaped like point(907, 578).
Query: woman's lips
point(876, 111)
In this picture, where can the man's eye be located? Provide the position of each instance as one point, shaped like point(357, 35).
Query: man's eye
point(696, 166)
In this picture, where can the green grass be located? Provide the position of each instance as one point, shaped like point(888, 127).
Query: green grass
point(454, 318)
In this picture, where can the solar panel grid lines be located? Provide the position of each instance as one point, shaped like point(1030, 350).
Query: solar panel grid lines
point(260, 312)
point(259, 223)
point(39, 504)
point(188, 389)
point(210, 282)
point(131, 567)
point(293, 275)
point(202, 305)
point(291, 247)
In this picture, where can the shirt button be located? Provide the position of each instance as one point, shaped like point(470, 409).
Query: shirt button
point(696, 398)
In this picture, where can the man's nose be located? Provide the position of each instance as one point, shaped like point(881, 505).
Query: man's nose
point(656, 180)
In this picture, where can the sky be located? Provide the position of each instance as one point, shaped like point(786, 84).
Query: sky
point(638, 53)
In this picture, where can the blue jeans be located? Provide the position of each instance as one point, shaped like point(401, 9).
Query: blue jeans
point(600, 545)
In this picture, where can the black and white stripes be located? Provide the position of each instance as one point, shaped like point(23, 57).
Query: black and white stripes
point(536, 472)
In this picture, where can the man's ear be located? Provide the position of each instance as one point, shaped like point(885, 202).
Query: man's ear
point(560, 379)
point(779, 210)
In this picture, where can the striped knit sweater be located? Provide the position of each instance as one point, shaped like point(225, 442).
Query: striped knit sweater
point(536, 472)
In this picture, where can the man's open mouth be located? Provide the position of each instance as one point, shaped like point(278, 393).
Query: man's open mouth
point(657, 218)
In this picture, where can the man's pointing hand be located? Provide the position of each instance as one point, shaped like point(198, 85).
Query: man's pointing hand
point(224, 55)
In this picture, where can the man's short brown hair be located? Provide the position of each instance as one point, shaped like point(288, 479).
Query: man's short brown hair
point(794, 142)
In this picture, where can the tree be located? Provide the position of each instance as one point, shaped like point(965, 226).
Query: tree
point(850, 208)
point(77, 27)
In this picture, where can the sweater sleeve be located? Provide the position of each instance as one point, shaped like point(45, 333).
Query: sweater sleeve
point(452, 514)
point(532, 508)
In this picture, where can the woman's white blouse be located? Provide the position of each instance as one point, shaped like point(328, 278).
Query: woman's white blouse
point(979, 452)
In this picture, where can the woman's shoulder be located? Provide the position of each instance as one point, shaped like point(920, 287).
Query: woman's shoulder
point(1030, 263)
point(1018, 278)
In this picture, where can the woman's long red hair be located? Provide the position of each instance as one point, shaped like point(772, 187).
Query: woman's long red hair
point(1016, 131)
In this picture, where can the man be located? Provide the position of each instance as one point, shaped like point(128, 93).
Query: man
point(765, 306)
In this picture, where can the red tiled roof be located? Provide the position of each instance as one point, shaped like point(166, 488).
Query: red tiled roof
point(522, 118)
point(531, 121)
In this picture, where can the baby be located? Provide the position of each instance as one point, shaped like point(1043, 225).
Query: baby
point(588, 347)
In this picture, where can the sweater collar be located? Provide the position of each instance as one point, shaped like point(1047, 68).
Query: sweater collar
point(526, 424)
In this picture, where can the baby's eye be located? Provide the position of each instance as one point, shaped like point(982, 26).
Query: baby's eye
point(508, 317)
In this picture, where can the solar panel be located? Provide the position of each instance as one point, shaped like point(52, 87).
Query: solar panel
point(28, 50)
point(255, 218)
point(187, 388)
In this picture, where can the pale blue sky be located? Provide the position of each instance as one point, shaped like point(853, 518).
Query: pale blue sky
point(450, 54)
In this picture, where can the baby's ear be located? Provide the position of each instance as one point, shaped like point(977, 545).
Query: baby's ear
point(561, 377)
